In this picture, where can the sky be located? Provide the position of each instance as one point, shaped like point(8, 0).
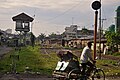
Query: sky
point(52, 16)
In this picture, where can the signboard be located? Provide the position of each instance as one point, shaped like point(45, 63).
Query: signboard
point(96, 5)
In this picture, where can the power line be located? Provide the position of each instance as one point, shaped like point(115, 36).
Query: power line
point(74, 6)
point(66, 11)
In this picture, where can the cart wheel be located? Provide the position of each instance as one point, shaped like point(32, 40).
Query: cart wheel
point(73, 74)
point(98, 75)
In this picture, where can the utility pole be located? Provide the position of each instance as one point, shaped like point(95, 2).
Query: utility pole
point(100, 32)
point(102, 20)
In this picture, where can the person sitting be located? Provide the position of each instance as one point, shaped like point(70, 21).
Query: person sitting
point(66, 55)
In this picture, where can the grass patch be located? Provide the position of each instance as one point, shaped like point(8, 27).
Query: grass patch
point(116, 54)
point(110, 67)
point(32, 58)
point(42, 63)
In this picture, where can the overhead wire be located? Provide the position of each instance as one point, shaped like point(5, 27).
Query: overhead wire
point(63, 13)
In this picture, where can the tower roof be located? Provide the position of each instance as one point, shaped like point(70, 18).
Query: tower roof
point(22, 17)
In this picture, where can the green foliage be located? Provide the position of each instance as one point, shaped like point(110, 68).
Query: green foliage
point(85, 31)
point(117, 54)
point(112, 38)
point(52, 35)
point(5, 63)
point(109, 35)
point(32, 58)
point(42, 36)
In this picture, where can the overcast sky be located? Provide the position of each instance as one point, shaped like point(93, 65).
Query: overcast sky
point(55, 15)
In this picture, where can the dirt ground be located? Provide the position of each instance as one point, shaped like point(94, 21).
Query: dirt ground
point(36, 77)
point(24, 77)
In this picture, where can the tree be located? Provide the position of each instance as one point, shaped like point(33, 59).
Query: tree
point(42, 36)
point(85, 31)
point(113, 39)
point(53, 35)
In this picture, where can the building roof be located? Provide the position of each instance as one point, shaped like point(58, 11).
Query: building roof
point(22, 17)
